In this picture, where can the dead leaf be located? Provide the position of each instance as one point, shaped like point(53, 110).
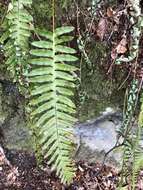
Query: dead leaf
point(121, 47)
point(113, 54)
point(102, 28)
point(110, 12)
point(12, 176)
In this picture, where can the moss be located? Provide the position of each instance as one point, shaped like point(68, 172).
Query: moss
point(42, 12)
point(2, 10)
point(99, 91)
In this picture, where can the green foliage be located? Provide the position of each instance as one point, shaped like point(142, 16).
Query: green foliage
point(127, 132)
point(137, 151)
point(132, 157)
point(17, 26)
point(52, 81)
point(42, 11)
point(81, 46)
point(130, 107)
point(94, 5)
point(52, 108)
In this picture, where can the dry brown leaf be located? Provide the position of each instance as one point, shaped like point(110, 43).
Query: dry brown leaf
point(110, 12)
point(121, 47)
point(12, 176)
point(113, 54)
point(102, 28)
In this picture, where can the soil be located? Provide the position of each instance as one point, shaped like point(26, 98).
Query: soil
point(19, 171)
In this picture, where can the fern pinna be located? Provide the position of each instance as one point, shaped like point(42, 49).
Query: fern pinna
point(18, 24)
point(53, 110)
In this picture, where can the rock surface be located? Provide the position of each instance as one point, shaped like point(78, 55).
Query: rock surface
point(13, 131)
point(95, 138)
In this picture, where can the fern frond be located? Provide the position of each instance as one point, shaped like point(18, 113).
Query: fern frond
point(16, 38)
point(53, 110)
point(126, 131)
point(137, 151)
point(137, 166)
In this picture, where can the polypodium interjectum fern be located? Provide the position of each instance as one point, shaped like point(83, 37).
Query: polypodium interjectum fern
point(137, 163)
point(126, 130)
point(53, 112)
point(18, 24)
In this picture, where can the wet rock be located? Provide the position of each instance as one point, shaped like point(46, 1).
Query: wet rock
point(13, 127)
point(97, 137)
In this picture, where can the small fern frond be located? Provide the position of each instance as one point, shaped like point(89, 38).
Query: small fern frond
point(126, 131)
point(53, 110)
point(137, 150)
point(18, 26)
point(137, 166)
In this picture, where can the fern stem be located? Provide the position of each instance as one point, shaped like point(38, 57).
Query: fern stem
point(54, 86)
point(53, 14)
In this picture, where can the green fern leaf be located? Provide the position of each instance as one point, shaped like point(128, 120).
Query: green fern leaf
point(63, 30)
point(53, 110)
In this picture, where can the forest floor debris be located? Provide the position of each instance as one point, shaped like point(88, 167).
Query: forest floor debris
point(22, 173)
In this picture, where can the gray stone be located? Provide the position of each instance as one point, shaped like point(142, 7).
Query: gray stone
point(14, 133)
point(95, 138)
